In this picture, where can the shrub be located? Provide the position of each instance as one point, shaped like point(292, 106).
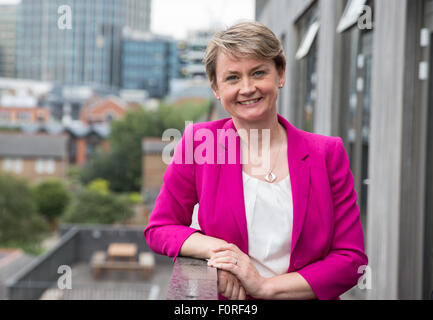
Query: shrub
point(19, 220)
point(52, 199)
point(93, 207)
point(135, 198)
point(99, 185)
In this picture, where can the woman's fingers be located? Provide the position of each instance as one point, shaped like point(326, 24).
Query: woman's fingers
point(227, 247)
point(230, 267)
point(222, 259)
point(229, 289)
point(235, 290)
point(222, 281)
point(242, 294)
point(224, 253)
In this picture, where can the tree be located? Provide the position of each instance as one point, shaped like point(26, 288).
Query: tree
point(19, 221)
point(52, 199)
point(94, 207)
point(110, 166)
point(121, 166)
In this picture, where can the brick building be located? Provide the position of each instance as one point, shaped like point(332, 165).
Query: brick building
point(24, 115)
point(34, 156)
point(102, 110)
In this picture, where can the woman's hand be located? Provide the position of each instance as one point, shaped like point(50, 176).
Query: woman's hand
point(229, 286)
point(230, 258)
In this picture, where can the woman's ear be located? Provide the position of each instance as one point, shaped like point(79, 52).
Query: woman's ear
point(282, 77)
point(215, 91)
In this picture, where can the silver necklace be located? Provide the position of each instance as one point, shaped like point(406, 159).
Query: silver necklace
point(271, 177)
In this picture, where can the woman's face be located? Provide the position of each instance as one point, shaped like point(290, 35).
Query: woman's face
point(247, 87)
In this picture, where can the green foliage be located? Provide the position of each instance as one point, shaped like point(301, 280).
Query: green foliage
point(73, 172)
point(52, 198)
point(93, 207)
point(33, 248)
point(100, 185)
point(111, 167)
point(121, 166)
point(175, 116)
point(19, 220)
point(134, 198)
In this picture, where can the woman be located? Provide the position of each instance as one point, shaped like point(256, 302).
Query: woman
point(290, 230)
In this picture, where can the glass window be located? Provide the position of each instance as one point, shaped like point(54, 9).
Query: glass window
point(45, 166)
point(356, 107)
point(7, 164)
point(23, 117)
point(428, 235)
point(4, 116)
point(13, 165)
point(306, 54)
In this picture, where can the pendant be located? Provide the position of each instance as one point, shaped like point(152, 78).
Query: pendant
point(270, 177)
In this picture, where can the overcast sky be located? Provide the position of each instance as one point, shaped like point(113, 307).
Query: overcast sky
point(176, 17)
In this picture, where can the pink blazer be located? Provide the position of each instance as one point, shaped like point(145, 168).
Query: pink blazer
point(327, 240)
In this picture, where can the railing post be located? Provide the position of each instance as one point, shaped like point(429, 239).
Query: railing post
point(192, 279)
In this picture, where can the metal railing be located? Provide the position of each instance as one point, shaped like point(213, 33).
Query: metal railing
point(73, 251)
point(31, 281)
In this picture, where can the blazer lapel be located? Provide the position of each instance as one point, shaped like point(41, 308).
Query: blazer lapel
point(230, 175)
point(299, 169)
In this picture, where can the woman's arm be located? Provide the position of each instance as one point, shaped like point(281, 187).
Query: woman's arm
point(290, 286)
point(199, 246)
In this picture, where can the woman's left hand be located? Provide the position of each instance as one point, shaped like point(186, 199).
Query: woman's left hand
point(230, 258)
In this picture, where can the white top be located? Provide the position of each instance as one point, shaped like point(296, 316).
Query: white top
point(269, 213)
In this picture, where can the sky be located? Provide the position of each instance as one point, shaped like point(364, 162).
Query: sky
point(176, 17)
point(9, 1)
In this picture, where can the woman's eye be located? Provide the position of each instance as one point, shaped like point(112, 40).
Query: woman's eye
point(259, 73)
point(231, 78)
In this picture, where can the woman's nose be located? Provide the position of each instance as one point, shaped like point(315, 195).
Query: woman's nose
point(247, 87)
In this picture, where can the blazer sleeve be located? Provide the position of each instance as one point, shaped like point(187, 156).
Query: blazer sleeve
point(339, 270)
point(171, 217)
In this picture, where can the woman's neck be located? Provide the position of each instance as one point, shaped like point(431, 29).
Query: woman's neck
point(247, 129)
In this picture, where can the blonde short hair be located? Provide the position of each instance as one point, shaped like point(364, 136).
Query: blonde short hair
point(245, 39)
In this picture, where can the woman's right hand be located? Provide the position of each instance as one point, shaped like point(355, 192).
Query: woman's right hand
point(229, 286)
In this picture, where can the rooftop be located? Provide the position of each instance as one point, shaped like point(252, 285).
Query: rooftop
point(117, 285)
point(30, 145)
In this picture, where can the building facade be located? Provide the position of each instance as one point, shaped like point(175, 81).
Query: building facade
point(362, 70)
point(193, 52)
point(34, 157)
point(148, 62)
point(23, 115)
point(75, 41)
point(8, 22)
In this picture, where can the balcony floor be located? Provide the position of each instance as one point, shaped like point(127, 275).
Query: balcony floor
point(116, 285)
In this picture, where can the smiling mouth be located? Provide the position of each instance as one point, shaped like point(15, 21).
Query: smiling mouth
point(249, 102)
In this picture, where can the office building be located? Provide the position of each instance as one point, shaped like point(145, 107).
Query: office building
point(76, 42)
point(148, 62)
point(8, 20)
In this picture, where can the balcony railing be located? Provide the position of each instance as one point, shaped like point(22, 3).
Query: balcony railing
point(192, 279)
